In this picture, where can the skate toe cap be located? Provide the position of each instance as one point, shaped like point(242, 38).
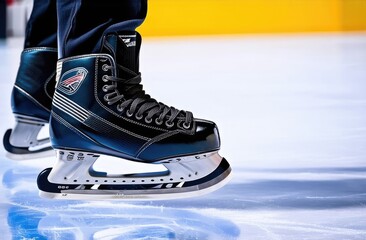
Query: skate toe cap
point(203, 138)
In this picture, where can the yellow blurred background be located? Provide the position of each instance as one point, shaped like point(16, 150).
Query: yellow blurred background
point(212, 17)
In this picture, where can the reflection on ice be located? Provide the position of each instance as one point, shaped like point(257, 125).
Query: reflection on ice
point(122, 221)
point(23, 222)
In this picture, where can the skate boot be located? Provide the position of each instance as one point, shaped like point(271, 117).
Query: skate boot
point(31, 101)
point(100, 109)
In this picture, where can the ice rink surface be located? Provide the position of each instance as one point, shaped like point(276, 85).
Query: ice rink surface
point(291, 110)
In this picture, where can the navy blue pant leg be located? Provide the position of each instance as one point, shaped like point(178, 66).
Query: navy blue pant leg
point(41, 29)
point(82, 23)
point(2, 19)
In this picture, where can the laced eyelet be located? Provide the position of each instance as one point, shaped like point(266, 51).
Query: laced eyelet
point(148, 120)
point(105, 88)
point(119, 108)
point(186, 126)
point(104, 78)
point(105, 67)
point(139, 117)
point(158, 122)
point(169, 124)
point(129, 114)
point(106, 98)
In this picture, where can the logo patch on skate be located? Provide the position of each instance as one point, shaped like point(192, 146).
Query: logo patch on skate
point(129, 40)
point(71, 80)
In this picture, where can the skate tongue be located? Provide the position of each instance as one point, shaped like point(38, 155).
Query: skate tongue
point(125, 47)
point(129, 51)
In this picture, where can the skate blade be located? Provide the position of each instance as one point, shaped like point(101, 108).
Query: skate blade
point(26, 153)
point(31, 156)
point(134, 195)
point(142, 192)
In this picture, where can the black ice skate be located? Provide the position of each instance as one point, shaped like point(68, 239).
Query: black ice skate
point(100, 109)
point(31, 101)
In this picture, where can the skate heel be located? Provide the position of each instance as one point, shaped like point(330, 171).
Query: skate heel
point(23, 139)
point(26, 131)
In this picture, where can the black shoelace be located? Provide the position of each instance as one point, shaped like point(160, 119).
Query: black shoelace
point(130, 94)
